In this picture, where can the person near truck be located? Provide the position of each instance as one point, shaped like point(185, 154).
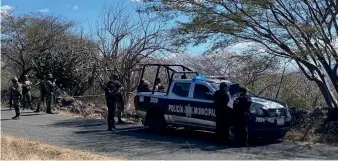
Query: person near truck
point(144, 86)
point(119, 103)
point(183, 76)
point(42, 95)
point(221, 98)
point(26, 87)
point(50, 87)
point(15, 97)
point(113, 89)
point(158, 86)
point(241, 109)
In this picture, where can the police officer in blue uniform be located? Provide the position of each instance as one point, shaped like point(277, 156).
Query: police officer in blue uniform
point(112, 91)
point(221, 98)
point(241, 109)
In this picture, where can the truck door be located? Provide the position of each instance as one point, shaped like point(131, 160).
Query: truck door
point(204, 111)
point(177, 102)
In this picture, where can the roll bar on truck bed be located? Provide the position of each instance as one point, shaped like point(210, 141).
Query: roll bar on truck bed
point(169, 68)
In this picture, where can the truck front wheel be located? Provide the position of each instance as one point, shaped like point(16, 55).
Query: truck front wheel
point(155, 121)
point(231, 134)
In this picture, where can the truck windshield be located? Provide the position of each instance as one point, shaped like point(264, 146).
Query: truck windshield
point(234, 89)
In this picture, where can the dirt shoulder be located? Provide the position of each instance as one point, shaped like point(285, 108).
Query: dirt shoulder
point(14, 148)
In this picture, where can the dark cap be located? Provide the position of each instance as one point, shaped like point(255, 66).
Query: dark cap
point(223, 85)
point(114, 77)
point(14, 79)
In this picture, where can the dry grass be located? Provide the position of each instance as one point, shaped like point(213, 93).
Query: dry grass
point(13, 148)
point(300, 136)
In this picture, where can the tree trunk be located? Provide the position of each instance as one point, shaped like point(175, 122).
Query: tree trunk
point(321, 82)
point(327, 93)
point(331, 74)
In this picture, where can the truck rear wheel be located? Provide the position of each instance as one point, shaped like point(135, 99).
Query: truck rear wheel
point(155, 121)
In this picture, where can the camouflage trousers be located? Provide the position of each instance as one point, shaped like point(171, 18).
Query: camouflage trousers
point(41, 100)
point(27, 101)
point(49, 100)
point(119, 110)
point(17, 104)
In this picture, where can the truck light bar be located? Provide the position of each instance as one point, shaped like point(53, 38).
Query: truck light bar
point(216, 77)
point(198, 78)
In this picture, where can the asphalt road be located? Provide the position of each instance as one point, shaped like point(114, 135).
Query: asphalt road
point(132, 141)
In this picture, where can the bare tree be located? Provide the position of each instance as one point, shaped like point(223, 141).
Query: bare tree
point(302, 30)
point(26, 37)
point(124, 41)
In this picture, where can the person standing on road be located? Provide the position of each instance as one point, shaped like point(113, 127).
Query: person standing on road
point(15, 97)
point(50, 87)
point(119, 100)
point(113, 89)
point(26, 92)
point(221, 98)
point(42, 96)
point(241, 109)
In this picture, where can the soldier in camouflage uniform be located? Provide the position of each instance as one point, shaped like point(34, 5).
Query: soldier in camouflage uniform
point(119, 102)
point(42, 95)
point(15, 97)
point(26, 87)
point(50, 86)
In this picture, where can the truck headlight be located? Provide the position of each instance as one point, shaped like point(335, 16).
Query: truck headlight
point(257, 109)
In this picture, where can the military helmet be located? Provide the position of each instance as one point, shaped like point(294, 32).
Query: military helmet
point(114, 77)
point(15, 79)
point(243, 89)
point(146, 84)
point(50, 76)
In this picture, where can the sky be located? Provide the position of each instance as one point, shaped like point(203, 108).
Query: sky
point(84, 12)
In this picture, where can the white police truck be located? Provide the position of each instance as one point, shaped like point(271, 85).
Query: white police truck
point(188, 103)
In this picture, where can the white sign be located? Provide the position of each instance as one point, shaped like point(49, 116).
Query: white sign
point(141, 99)
point(280, 121)
point(153, 100)
point(231, 103)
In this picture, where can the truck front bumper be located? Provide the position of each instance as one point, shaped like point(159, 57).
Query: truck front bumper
point(268, 129)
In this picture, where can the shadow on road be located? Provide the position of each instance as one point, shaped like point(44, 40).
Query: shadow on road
point(31, 114)
point(136, 136)
point(7, 109)
point(6, 119)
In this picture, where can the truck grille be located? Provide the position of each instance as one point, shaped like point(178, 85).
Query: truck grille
point(276, 112)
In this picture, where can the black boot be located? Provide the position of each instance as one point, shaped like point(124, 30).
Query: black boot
point(17, 113)
point(50, 112)
point(37, 109)
point(16, 117)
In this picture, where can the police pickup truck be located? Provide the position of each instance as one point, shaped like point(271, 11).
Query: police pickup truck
point(188, 103)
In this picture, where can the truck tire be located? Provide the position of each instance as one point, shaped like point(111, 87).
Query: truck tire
point(155, 121)
point(231, 136)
